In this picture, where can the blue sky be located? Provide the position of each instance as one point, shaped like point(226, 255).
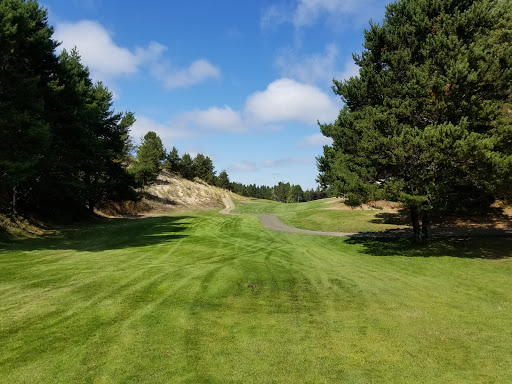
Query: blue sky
point(243, 82)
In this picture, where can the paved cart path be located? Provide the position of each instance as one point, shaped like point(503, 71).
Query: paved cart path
point(272, 222)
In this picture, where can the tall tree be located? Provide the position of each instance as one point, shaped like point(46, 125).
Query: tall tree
point(172, 163)
point(223, 180)
point(295, 194)
point(428, 120)
point(150, 154)
point(280, 192)
point(203, 168)
point(126, 122)
point(187, 167)
point(27, 66)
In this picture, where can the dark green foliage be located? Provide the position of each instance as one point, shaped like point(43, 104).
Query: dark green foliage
point(126, 122)
point(172, 163)
point(295, 194)
point(283, 192)
point(280, 192)
point(187, 167)
point(203, 168)
point(223, 180)
point(62, 145)
point(26, 65)
point(150, 154)
point(428, 121)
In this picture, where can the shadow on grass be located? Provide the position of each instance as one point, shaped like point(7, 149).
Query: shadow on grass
point(396, 218)
point(471, 248)
point(108, 234)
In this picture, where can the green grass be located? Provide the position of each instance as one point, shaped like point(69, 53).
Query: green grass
point(167, 300)
point(316, 216)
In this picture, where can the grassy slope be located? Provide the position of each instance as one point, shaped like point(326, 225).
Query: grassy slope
point(316, 216)
point(167, 300)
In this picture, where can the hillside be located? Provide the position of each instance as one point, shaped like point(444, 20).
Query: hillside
point(172, 193)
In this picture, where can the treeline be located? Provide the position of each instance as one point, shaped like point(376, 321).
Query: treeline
point(283, 192)
point(63, 147)
point(152, 158)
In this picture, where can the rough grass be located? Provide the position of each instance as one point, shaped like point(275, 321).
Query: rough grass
point(317, 215)
point(208, 298)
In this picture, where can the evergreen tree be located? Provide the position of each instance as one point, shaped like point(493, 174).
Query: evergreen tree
point(280, 192)
point(150, 154)
point(223, 180)
point(126, 122)
point(187, 167)
point(428, 119)
point(172, 163)
point(295, 194)
point(203, 168)
point(27, 65)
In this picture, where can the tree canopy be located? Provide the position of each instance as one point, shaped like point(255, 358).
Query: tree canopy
point(428, 121)
point(150, 155)
point(62, 144)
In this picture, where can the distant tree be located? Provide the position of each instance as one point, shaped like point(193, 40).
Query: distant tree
point(428, 120)
point(172, 163)
point(223, 180)
point(150, 154)
point(280, 192)
point(295, 194)
point(187, 167)
point(203, 168)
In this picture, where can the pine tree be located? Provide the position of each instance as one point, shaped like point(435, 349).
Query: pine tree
point(172, 163)
point(187, 167)
point(203, 168)
point(223, 180)
point(150, 154)
point(27, 63)
point(428, 120)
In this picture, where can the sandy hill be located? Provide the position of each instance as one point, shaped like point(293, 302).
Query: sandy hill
point(172, 193)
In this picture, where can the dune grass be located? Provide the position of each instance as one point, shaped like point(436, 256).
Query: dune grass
point(207, 298)
point(318, 215)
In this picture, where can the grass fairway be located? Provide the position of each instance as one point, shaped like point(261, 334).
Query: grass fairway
point(207, 298)
point(318, 215)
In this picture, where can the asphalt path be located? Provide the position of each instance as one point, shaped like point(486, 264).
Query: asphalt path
point(272, 222)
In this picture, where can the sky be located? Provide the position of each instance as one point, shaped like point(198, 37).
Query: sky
point(241, 81)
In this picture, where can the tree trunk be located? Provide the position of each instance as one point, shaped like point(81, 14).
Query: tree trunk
point(14, 199)
point(415, 218)
point(425, 226)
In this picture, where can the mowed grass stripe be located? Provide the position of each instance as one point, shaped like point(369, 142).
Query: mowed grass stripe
point(204, 297)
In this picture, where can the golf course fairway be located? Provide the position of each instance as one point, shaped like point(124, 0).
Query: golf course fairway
point(208, 298)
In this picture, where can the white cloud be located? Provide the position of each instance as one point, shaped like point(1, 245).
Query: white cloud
point(313, 68)
point(199, 71)
point(315, 140)
point(288, 161)
point(106, 59)
point(244, 166)
point(166, 132)
point(100, 53)
point(273, 16)
point(289, 100)
point(214, 118)
point(307, 12)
